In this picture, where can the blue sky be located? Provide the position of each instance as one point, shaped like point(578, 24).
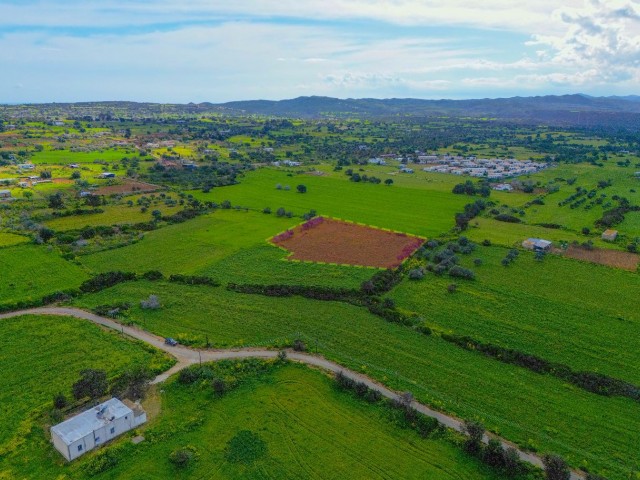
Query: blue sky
point(213, 50)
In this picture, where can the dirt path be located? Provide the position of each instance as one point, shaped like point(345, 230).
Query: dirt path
point(188, 356)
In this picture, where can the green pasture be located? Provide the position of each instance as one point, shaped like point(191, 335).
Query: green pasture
point(41, 356)
point(65, 157)
point(419, 211)
point(228, 245)
point(536, 411)
point(30, 272)
point(563, 310)
point(306, 427)
point(10, 239)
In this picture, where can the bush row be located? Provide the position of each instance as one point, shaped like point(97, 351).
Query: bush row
point(593, 382)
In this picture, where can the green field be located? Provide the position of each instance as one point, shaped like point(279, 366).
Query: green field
point(555, 309)
point(418, 209)
point(10, 239)
point(309, 429)
point(510, 400)
point(65, 157)
point(42, 356)
point(227, 245)
point(30, 272)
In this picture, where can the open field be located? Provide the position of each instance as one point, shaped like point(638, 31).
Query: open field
point(562, 310)
point(227, 245)
point(30, 272)
point(510, 400)
point(306, 426)
point(44, 356)
point(612, 258)
point(126, 187)
point(419, 211)
point(331, 241)
point(65, 157)
point(10, 239)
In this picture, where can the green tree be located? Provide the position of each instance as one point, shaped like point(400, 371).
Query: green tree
point(92, 384)
point(388, 182)
point(56, 201)
point(302, 188)
point(555, 468)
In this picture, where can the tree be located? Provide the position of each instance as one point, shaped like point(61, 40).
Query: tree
point(75, 175)
point(59, 401)
point(494, 454)
point(92, 384)
point(56, 201)
point(133, 383)
point(45, 174)
point(156, 214)
point(475, 432)
point(27, 194)
point(512, 466)
point(92, 200)
point(302, 188)
point(281, 212)
point(46, 234)
point(388, 182)
point(555, 468)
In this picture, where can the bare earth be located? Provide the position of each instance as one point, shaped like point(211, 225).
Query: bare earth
point(127, 186)
point(334, 241)
point(611, 258)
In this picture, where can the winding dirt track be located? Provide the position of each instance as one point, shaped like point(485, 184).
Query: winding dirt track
point(188, 356)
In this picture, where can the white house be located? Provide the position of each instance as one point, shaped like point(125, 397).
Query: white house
point(89, 429)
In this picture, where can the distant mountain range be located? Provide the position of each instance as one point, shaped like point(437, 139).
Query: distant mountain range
point(578, 108)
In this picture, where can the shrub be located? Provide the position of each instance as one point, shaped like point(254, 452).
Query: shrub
point(299, 346)
point(452, 288)
point(153, 275)
point(92, 384)
point(152, 303)
point(182, 457)
point(106, 280)
point(555, 468)
point(416, 274)
point(475, 432)
point(59, 401)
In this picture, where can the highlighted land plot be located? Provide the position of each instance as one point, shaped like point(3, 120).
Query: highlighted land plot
point(335, 241)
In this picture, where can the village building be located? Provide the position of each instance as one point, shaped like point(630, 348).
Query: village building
point(537, 244)
point(610, 235)
point(94, 427)
point(5, 194)
point(502, 187)
point(107, 175)
point(377, 161)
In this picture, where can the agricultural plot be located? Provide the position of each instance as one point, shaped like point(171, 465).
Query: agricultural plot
point(611, 258)
point(10, 239)
point(579, 314)
point(65, 157)
point(287, 422)
point(125, 187)
point(227, 245)
point(325, 240)
point(30, 272)
point(418, 211)
point(44, 356)
point(537, 411)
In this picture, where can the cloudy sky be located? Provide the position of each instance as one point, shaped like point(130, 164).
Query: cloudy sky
point(220, 50)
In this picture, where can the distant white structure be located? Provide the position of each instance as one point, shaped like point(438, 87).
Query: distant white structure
point(502, 187)
point(490, 168)
point(87, 430)
point(537, 244)
point(377, 161)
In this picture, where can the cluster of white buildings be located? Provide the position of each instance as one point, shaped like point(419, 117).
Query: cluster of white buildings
point(493, 169)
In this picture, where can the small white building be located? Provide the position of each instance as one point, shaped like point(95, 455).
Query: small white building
point(5, 194)
point(94, 427)
point(537, 244)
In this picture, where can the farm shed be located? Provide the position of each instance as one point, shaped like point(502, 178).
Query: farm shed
point(93, 427)
point(107, 175)
point(610, 235)
point(537, 244)
point(5, 193)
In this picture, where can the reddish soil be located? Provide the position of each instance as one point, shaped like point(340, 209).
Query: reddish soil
point(334, 241)
point(612, 258)
point(127, 186)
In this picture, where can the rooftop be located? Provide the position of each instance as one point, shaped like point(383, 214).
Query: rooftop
point(90, 420)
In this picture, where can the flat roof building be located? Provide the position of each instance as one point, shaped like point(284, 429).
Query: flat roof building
point(91, 428)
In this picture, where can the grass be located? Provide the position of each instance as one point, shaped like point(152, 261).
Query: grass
point(566, 311)
point(42, 356)
point(10, 239)
point(64, 157)
point(30, 272)
point(113, 215)
point(536, 411)
point(421, 211)
point(227, 245)
point(290, 422)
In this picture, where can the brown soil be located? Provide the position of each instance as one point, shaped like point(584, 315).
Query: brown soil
point(334, 241)
point(127, 186)
point(612, 258)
